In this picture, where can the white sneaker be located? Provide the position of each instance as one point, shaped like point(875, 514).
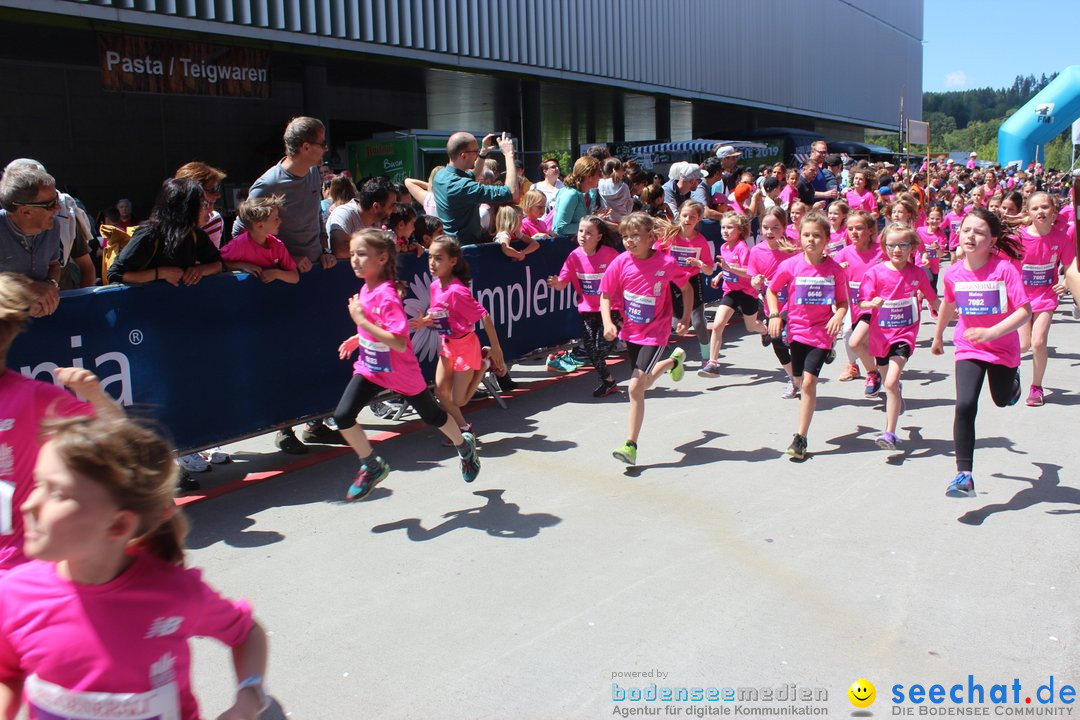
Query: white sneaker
point(216, 456)
point(193, 463)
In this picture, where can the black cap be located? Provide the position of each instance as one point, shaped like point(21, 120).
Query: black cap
point(770, 184)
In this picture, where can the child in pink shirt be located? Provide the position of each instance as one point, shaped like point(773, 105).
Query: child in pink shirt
point(739, 293)
point(953, 219)
point(765, 259)
point(101, 617)
point(693, 252)
point(984, 290)
point(856, 259)
point(817, 302)
point(860, 196)
point(584, 269)
point(838, 236)
point(795, 214)
point(535, 224)
point(256, 250)
point(639, 280)
point(1046, 243)
point(932, 241)
point(24, 404)
point(386, 362)
point(893, 292)
point(454, 312)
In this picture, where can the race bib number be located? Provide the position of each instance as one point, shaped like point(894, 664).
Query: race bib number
point(374, 355)
point(931, 252)
point(683, 255)
point(897, 313)
point(441, 320)
point(853, 295)
point(834, 247)
point(46, 701)
point(7, 495)
point(981, 298)
point(955, 226)
point(781, 297)
point(1039, 275)
point(639, 308)
point(729, 277)
point(590, 283)
point(815, 291)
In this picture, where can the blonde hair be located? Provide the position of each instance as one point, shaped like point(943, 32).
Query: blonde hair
point(780, 215)
point(508, 220)
point(16, 297)
point(532, 199)
point(739, 221)
point(135, 466)
point(637, 222)
point(254, 210)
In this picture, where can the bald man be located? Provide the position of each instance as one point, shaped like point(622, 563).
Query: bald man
point(458, 196)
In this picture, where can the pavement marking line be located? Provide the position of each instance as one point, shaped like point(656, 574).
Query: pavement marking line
point(407, 428)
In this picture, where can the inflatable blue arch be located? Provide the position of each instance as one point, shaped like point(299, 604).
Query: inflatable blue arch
point(1043, 118)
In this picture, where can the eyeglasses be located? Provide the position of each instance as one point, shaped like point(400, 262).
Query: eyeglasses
point(322, 144)
point(471, 150)
point(216, 190)
point(897, 246)
point(47, 205)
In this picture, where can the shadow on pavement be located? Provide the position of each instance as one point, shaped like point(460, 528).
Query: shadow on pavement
point(695, 452)
point(1046, 488)
point(497, 518)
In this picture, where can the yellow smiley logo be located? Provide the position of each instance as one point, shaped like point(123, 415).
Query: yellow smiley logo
point(862, 693)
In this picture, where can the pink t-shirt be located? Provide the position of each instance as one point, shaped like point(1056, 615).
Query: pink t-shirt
point(397, 371)
point(530, 227)
point(454, 309)
point(788, 195)
point(764, 261)
point(272, 255)
point(682, 249)
point(952, 222)
point(813, 291)
point(1067, 212)
point(858, 261)
point(898, 319)
point(866, 201)
point(838, 240)
point(930, 251)
point(642, 288)
point(24, 404)
point(736, 254)
point(792, 234)
point(1039, 268)
point(80, 647)
point(983, 298)
point(585, 272)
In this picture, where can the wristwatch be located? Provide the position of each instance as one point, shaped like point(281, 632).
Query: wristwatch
point(773, 315)
point(255, 683)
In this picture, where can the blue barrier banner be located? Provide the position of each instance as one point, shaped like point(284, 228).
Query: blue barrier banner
point(232, 357)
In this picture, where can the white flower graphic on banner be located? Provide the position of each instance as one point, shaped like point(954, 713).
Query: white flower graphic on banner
point(425, 340)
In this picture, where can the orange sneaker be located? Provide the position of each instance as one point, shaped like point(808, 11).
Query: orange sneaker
point(851, 372)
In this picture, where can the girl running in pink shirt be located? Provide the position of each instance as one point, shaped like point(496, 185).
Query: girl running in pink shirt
point(638, 280)
point(893, 292)
point(795, 214)
point(817, 294)
point(933, 242)
point(693, 252)
point(1046, 243)
point(584, 268)
point(856, 259)
point(985, 292)
point(739, 292)
point(24, 405)
point(454, 312)
point(838, 235)
point(953, 219)
point(764, 260)
point(97, 624)
point(860, 196)
point(386, 362)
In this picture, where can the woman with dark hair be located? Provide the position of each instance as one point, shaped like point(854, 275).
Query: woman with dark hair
point(171, 245)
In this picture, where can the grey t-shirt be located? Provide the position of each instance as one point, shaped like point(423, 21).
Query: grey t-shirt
point(28, 255)
point(345, 218)
point(301, 218)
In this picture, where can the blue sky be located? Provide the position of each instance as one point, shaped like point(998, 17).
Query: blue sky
point(986, 44)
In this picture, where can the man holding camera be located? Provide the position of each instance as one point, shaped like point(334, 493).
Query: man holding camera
point(458, 196)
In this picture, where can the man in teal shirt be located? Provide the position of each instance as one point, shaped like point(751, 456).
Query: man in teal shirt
point(458, 196)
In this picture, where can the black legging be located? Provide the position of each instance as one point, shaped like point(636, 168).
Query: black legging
point(360, 391)
point(596, 347)
point(697, 312)
point(969, 381)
